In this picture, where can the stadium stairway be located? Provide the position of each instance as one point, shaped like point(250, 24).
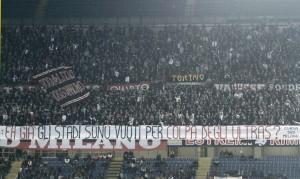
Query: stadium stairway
point(114, 168)
point(203, 167)
point(14, 170)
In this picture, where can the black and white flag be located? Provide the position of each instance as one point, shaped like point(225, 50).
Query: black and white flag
point(62, 85)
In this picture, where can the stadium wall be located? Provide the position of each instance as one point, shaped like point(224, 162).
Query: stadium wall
point(149, 12)
point(190, 152)
point(256, 152)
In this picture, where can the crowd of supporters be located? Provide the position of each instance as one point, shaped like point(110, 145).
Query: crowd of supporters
point(63, 168)
point(76, 167)
point(227, 54)
point(253, 168)
point(162, 168)
point(5, 164)
point(183, 106)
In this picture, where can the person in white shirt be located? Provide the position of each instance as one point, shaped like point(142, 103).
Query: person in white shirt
point(109, 156)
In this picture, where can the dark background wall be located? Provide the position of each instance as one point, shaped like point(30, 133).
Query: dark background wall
point(177, 10)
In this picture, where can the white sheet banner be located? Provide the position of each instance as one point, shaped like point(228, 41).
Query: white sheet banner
point(151, 132)
point(257, 87)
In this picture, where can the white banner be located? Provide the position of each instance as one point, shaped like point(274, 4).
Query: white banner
point(147, 137)
point(152, 132)
point(256, 87)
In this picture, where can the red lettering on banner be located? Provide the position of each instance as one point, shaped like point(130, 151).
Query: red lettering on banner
point(100, 144)
point(129, 86)
point(190, 142)
point(200, 142)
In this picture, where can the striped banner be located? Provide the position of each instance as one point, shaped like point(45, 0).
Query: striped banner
point(62, 85)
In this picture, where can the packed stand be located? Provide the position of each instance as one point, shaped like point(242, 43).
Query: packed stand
point(271, 167)
point(5, 164)
point(169, 168)
point(101, 54)
point(105, 55)
point(183, 106)
point(50, 168)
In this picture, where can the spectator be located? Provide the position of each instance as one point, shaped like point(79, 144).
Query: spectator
point(226, 54)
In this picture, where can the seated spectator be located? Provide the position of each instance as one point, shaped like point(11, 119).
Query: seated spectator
point(172, 154)
point(230, 55)
point(125, 156)
point(109, 156)
point(67, 160)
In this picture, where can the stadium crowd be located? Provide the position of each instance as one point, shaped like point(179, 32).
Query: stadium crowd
point(164, 168)
point(193, 105)
point(5, 164)
point(103, 55)
point(51, 168)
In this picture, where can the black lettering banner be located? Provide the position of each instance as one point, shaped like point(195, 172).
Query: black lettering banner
point(62, 85)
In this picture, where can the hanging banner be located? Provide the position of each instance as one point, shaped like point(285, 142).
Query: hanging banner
point(242, 143)
point(152, 132)
point(151, 136)
point(129, 86)
point(85, 144)
point(62, 85)
point(196, 77)
point(257, 87)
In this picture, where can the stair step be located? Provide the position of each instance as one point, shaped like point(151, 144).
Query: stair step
point(203, 167)
point(14, 170)
point(116, 164)
point(118, 159)
point(115, 175)
point(114, 168)
point(113, 171)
